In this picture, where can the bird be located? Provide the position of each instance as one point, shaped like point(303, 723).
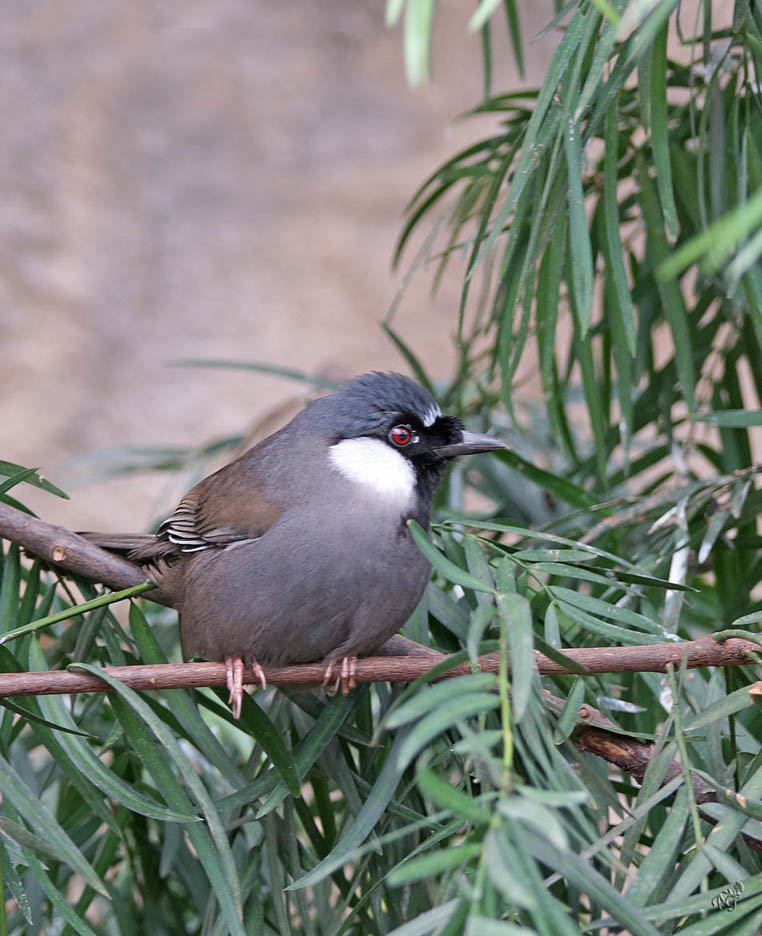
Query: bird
point(299, 550)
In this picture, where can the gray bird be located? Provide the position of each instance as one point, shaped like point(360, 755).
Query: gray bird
point(299, 550)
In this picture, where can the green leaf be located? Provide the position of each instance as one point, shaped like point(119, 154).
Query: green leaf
point(559, 487)
point(516, 617)
point(83, 759)
point(670, 296)
point(568, 718)
point(427, 922)
point(585, 878)
point(100, 601)
point(10, 469)
point(603, 609)
point(442, 860)
point(579, 236)
point(442, 564)
point(446, 796)
point(447, 714)
point(417, 37)
point(57, 899)
point(332, 716)
point(659, 132)
point(372, 809)
point(45, 826)
point(210, 841)
point(289, 373)
point(736, 419)
point(433, 697)
point(728, 705)
point(715, 243)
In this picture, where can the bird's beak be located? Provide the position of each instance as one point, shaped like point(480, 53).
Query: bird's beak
point(470, 444)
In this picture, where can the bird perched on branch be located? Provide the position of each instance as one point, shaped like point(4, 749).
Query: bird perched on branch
point(299, 550)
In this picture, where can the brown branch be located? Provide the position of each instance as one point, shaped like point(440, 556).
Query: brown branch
point(399, 660)
point(72, 553)
point(652, 658)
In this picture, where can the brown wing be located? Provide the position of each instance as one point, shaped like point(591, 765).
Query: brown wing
point(224, 508)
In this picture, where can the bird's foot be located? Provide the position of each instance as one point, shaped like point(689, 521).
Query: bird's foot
point(344, 680)
point(259, 673)
point(234, 678)
point(234, 670)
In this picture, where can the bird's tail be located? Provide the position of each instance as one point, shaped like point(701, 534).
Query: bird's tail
point(120, 542)
point(140, 547)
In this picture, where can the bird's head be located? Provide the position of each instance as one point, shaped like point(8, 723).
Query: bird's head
point(388, 432)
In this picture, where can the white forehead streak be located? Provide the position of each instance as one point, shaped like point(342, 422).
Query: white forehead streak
point(372, 464)
point(431, 415)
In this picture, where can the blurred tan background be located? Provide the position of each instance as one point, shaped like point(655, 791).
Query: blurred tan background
point(220, 180)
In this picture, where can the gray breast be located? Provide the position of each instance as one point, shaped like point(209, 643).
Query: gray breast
point(321, 583)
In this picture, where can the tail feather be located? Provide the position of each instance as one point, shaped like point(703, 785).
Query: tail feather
point(140, 547)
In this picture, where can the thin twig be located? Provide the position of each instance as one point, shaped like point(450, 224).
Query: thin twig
point(648, 658)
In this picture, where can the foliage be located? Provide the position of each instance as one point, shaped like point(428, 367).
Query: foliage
point(632, 496)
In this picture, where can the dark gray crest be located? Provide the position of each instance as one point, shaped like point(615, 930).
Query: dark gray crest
point(369, 403)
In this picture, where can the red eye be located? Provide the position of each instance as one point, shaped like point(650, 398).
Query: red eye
point(401, 435)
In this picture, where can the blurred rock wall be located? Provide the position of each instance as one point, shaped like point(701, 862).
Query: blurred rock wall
point(217, 180)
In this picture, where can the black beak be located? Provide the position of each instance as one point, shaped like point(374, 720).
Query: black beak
point(470, 444)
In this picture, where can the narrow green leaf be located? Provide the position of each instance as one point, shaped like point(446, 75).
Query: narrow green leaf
point(604, 609)
point(26, 839)
point(412, 360)
point(442, 564)
point(716, 242)
point(432, 697)
point(332, 716)
point(557, 655)
point(483, 12)
point(372, 809)
point(437, 862)
point(417, 38)
point(728, 705)
point(583, 876)
point(322, 382)
point(670, 295)
point(8, 469)
point(447, 714)
point(23, 475)
point(211, 843)
point(9, 591)
point(57, 899)
point(659, 134)
point(446, 796)
point(44, 824)
point(516, 617)
point(565, 490)
point(100, 601)
point(568, 717)
point(427, 922)
point(579, 237)
point(735, 419)
point(537, 815)
point(514, 29)
point(83, 759)
point(660, 858)
point(393, 11)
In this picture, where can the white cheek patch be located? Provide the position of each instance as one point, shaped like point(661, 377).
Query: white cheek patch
point(374, 465)
point(431, 415)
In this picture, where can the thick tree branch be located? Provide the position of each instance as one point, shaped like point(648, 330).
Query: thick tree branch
point(72, 553)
